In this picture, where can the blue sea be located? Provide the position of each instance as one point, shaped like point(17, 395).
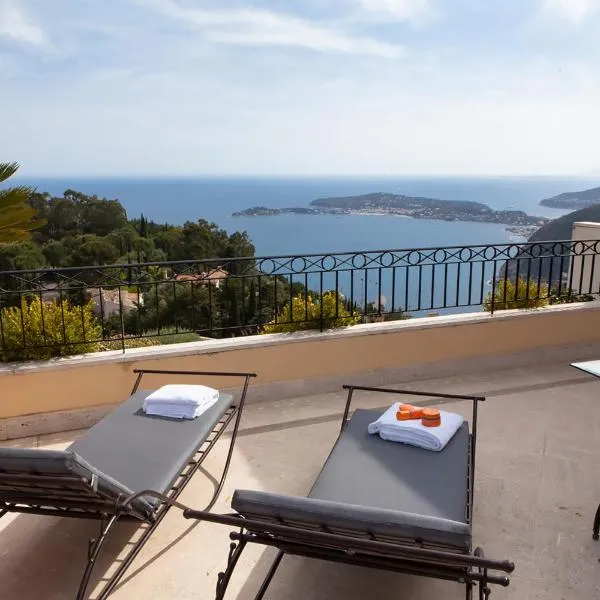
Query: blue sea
point(176, 200)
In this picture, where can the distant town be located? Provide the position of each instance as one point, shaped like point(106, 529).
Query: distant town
point(408, 206)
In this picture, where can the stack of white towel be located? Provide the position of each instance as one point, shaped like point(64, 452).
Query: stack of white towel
point(413, 432)
point(180, 401)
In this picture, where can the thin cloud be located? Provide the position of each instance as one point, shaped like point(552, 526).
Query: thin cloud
point(413, 11)
point(16, 25)
point(575, 11)
point(255, 27)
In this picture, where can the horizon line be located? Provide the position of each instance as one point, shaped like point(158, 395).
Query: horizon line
point(304, 176)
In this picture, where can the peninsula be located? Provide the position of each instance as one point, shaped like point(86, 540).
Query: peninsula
point(575, 200)
point(381, 203)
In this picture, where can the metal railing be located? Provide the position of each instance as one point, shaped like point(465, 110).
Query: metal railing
point(53, 308)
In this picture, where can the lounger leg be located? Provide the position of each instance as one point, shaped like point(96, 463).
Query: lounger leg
point(236, 427)
point(267, 580)
point(596, 524)
point(469, 591)
point(235, 551)
point(95, 545)
point(484, 590)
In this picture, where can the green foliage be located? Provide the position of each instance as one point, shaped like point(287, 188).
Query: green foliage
point(179, 304)
point(21, 256)
point(508, 295)
point(568, 298)
point(83, 230)
point(166, 336)
point(91, 249)
point(117, 343)
point(38, 330)
point(17, 217)
point(310, 312)
point(170, 335)
point(56, 253)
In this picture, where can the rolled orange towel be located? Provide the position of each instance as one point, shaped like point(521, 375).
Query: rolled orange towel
point(431, 417)
point(407, 412)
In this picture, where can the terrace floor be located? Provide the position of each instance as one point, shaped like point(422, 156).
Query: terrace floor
point(537, 488)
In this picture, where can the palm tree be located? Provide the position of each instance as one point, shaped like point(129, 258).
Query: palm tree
point(17, 217)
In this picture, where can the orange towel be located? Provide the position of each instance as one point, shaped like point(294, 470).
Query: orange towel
point(407, 412)
point(431, 417)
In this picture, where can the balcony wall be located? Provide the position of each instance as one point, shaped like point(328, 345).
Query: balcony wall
point(74, 392)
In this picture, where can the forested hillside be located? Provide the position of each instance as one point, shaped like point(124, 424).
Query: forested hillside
point(83, 230)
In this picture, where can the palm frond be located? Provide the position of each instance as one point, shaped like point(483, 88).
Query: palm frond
point(17, 218)
point(8, 170)
point(15, 196)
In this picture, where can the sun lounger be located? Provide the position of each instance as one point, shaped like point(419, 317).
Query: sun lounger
point(106, 473)
point(377, 504)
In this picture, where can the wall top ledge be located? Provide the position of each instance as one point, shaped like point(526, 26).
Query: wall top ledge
point(262, 341)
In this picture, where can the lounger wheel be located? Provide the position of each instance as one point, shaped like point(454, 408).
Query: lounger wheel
point(596, 530)
point(484, 590)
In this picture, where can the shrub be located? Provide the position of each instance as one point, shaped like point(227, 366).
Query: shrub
point(38, 330)
point(128, 342)
point(567, 298)
point(327, 312)
point(508, 295)
point(166, 335)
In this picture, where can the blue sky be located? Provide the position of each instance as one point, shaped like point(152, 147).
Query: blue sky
point(275, 87)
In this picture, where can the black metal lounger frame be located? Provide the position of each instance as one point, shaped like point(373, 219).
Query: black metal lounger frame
point(471, 568)
point(123, 511)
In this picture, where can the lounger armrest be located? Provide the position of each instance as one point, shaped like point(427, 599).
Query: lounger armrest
point(352, 519)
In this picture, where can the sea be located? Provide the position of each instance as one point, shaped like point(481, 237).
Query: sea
point(177, 200)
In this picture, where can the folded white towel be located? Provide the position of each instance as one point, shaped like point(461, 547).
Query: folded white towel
point(194, 395)
point(413, 432)
point(180, 401)
point(176, 412)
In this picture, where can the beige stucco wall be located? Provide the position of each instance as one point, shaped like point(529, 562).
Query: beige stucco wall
point(584, 269)
point(104, 379)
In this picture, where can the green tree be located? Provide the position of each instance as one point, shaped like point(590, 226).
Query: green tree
point(143, 228)
point(17, 218)
point(170, 304)
point(41, 330)
point(520, 294)
point(170, 241)
point(91, 249)
point(21, 256)
point(101, 216)
point(63, 218)
point(312, 312)
point(57, 255)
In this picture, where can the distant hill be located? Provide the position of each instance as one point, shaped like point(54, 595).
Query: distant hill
point(551, 269)
point(561, 228)
point(404, 206)
point(399, 201)
point(575, 200)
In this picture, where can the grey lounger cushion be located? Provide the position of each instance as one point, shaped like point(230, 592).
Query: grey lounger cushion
point(366, 470)
point(125, 452)
point(371, 485)
point(59, 463)
point(144, 452)
point(340, 517)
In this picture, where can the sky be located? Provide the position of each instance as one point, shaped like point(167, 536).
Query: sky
point(300, 87)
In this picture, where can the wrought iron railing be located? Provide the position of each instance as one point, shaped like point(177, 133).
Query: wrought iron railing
point(249, 295)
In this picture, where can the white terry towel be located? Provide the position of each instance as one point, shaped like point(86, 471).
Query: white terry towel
point(180, 401)
point(413, 432)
